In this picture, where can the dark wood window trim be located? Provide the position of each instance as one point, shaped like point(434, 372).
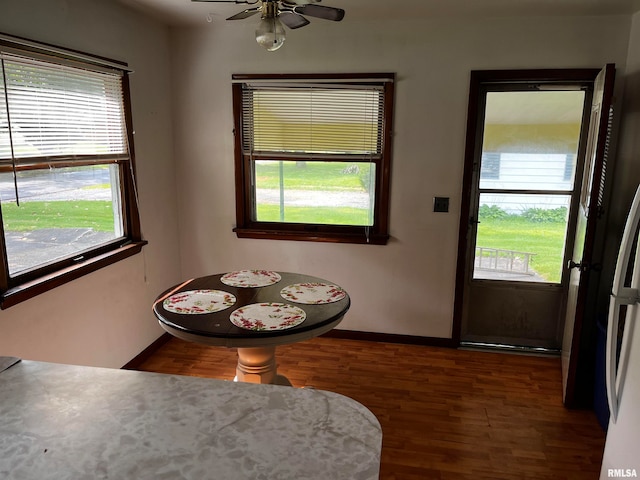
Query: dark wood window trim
point(28, 284)
point(246, 227)
point(43, 284)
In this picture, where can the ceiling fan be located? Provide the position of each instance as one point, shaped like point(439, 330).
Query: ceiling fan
point(274, 13)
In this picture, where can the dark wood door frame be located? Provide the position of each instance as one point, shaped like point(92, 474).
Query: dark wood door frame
point(473, 145)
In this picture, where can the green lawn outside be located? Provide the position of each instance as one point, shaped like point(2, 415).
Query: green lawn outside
point(29, 216)
point(545, 239)
point(320, 215)
point(311, 175)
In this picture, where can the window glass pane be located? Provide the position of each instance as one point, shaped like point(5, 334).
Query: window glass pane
point(62, 212)
point(521, 237)
point(531, 139)
point(334, 193)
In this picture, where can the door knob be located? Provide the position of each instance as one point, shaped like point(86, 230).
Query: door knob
point(582, 266)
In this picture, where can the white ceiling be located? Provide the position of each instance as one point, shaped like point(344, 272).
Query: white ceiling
point(186, 12)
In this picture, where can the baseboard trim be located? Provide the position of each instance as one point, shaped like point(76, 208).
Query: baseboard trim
point(506, 348)
point(139, 359)
point(393, 338)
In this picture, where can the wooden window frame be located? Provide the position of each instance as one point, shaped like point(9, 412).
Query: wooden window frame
point(247, 227)
point(45, 277)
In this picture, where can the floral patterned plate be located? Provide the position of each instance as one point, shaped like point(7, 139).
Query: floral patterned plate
point(268, 316)
point(313, 293)
point(250, 278)
point(194, 302)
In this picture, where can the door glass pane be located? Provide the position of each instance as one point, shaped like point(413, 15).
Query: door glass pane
point(531, 140)
point(61, 212)
point(333, 193)
point(528, 171)
point(521, 237)
point(530, 145)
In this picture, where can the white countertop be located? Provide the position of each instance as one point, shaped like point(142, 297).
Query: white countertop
point(69, 422)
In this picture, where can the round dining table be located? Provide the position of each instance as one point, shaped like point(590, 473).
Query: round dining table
point(253, 311)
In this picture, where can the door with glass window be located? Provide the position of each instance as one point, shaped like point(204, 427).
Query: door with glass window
point(525, 150)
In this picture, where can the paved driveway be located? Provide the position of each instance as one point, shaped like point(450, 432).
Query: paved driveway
point(28, 249)
point(314, 198)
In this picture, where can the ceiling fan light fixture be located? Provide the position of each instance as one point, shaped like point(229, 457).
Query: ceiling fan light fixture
point(270, 32)
point(276, 14)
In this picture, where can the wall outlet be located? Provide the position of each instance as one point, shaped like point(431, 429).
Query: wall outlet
point(440, 204)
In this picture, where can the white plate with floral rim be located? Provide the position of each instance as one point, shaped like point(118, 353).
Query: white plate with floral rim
point(268, 316)
point(312, 293)
point(250, 278)
point(197, 302)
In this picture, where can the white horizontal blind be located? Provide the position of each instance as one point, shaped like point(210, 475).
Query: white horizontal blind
point(297, 119)
point(5, 139)
point(59, 110)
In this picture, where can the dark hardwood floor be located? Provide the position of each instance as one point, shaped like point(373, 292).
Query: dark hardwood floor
point(445, 414)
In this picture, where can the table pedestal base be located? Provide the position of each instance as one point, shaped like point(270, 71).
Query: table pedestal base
point(258, 365)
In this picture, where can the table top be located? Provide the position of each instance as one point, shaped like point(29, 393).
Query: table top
point(217, 329)
point(65, 422)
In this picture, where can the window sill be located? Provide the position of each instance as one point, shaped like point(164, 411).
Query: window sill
point(359, 238)
point(28, 290)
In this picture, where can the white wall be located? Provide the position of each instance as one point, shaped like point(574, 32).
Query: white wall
point(627, 159)
point(406, 287)
point(105, 318)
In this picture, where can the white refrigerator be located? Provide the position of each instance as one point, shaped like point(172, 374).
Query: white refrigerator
point(621, 457)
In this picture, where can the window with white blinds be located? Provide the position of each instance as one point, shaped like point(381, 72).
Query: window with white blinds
point(51, 110)
point(67, 192)
point(313, 156)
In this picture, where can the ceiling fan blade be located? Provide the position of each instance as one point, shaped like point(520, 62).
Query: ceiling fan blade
point(244, 14)
point(326, 13)
point(293, 20)
point(293, 3)
point(248, 2)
